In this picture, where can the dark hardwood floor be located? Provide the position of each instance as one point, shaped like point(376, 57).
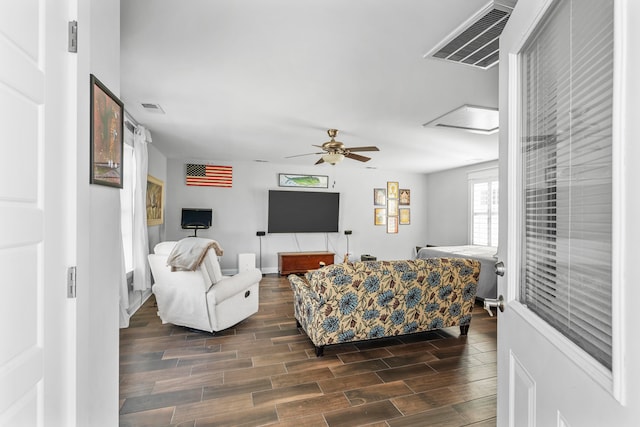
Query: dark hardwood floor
point(263, 372)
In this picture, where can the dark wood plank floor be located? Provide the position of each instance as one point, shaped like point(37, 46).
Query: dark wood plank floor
point(263, 372)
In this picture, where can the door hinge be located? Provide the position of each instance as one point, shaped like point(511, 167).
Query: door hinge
point(73, 36)
point(71, 282)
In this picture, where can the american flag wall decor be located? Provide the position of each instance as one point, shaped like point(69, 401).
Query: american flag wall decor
point(209, 175)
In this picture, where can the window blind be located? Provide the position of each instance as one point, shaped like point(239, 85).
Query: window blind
point(566, 139)
point(484, 213)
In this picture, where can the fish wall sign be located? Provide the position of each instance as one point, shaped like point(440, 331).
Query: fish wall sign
point(292, 180)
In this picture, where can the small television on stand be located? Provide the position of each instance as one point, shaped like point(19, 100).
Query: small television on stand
point(196, 219)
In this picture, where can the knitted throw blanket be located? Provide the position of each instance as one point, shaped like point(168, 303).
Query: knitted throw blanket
point(189, 253)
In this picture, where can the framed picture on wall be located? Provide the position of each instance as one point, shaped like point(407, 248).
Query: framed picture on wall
point(392, 224)
point(155, 201)
point(106, 127)
point(379, 196)
point(379, 216)
point(392, 207)
point(405, 196)
point(392, 190)
point(293, 180)
point(405, 216)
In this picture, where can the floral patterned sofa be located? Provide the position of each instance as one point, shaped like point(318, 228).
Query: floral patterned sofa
point(374, 299)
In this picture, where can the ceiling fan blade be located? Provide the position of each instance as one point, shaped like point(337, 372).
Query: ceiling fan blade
point(300, 155)
point(368, 148)
point(319, 161)
point(357, 157)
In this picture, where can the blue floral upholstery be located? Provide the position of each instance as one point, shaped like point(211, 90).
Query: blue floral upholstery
point(373, 299)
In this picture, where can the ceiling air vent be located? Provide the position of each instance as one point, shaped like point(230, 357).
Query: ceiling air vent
point(152, 108)
point(476, 41)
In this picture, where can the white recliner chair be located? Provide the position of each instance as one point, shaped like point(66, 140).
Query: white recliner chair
point(202, 299)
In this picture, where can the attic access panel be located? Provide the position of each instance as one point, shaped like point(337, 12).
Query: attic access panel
point(471, 118)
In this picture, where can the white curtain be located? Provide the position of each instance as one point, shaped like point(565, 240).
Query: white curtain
point(126, 226)
point(124, 293)
point(141, 274)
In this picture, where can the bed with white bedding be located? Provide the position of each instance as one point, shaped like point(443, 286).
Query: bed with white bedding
point(485, 254)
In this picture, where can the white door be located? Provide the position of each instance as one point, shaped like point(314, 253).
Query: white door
point(36, 354)
point(559, 246)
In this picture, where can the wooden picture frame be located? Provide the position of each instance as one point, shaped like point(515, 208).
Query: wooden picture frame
point(405, 216)
point(155, 201)
point(379, 216)
point(392, 225)
point(392, 207)
point(392, 190)
point(379, 197)
point(107, 141)
point(308, 181)
point(405, 197)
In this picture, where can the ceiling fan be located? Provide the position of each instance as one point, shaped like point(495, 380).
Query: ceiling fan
point(335, 151)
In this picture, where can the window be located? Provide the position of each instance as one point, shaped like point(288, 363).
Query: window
point(567, 168)
point(483, 191)
point(126, 202)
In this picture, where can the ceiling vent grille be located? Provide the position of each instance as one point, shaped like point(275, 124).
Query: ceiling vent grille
point(476, 41)
point(152, 108)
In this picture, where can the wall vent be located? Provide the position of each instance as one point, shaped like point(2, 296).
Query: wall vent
point(152, 108)
point(476, 41)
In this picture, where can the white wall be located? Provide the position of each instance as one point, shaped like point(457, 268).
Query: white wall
point(98, 238)
point(448, 207)
point(242, 210)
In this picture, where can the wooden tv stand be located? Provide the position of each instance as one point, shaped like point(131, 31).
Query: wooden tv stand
point(301, 262)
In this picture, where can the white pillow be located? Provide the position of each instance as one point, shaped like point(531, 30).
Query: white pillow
point(211, 264)
point(164, 248)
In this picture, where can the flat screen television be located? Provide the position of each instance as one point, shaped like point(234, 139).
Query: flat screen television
point(194, 218)
point(303, 212)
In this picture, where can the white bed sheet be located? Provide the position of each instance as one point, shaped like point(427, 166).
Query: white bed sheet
point(487, 283)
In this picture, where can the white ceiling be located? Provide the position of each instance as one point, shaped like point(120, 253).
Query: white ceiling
point(265, 79)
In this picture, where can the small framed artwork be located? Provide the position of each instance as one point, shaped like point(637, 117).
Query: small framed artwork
point(405, 216)
point(106, 126)
point(392, 190)
point(405, 196)
point(392, 207)
point(392, 224)
point(155, 201)
point(311, 181)
point(379, 216)
point(379, 196)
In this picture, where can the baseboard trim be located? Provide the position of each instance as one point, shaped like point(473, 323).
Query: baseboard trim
point(145, 296)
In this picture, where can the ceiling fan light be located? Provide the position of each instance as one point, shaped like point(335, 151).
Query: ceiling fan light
point(333, 158)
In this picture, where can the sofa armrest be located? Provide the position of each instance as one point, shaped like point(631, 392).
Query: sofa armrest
point(297, 282)
point(301, 286)
point(230, 286)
